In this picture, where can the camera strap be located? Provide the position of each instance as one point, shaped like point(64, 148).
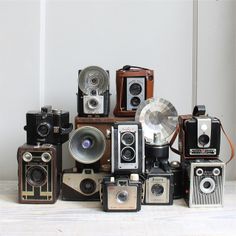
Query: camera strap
point(227, 138)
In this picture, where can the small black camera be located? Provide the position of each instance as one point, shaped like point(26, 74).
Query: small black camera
point(199, 135)
point(47, 126)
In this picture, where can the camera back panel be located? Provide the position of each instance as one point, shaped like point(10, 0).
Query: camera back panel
point(204, 183)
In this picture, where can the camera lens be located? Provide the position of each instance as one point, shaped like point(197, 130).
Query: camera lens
point(127, 154)
point(43, 129)
point(122, 196)
point(157, 189)
point(93, 103)
point(88, 186)
point(204, 139)
point(36, 176)
point(27, 157)
point(87, 143)
point(127, 138)
point(135, 89)
point(207, 185)
point(216, 171)
point(46, 157)
point(199, 172)
point(135, 101)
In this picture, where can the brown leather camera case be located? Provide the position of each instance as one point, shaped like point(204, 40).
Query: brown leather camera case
point(121, 75)
point(104, 125)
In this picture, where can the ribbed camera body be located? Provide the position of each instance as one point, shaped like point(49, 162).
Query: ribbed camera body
point(127, 148)
point(39, 173)
point(47, 126)
point(199, 137)
point(133, 86)
point(204, 182)
point(121, 194)
point(83, 186)
point(159, 187)
point(93, 98)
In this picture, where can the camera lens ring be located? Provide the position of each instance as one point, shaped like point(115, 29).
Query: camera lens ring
point(122, 196)
point(127, 138)
point(157, 189)
point(124, 155)
point(43, 129)
point(135, 89)
point(199, 172)
point(88, 186)
point(135, 101)
point(216, 171)
point(36, 176)
point(207, 185)
point(93, 103)
point(203, 139)
point(46, 157)
point(27, 156)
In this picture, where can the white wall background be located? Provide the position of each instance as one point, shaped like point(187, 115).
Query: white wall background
point(44, 43)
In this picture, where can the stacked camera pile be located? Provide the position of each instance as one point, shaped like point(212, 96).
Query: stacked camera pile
point(121, 160)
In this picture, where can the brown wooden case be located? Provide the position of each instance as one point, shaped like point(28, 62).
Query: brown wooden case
point(50, 191)
point(104, 125)
point(121, 75)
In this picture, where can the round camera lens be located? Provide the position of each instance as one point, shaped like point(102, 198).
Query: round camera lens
point(207, 185)
point(127, 138)
point(135, 89)
point(216, 171)
point(127, 154)
point(122, 196)
point(204, 139)
point(87, 143)
point(157, 189)
point(88, 186)
point(43, 129)
point(27, 156)
point(93, 92)
point(46, 157)
point(135, 101)
point(199, 172)
point(36, 176)
point(92, 103)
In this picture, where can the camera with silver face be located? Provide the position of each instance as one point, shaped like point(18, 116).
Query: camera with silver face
point(121, 193)
point(159, 186)
point(127, 148)
point(47, 126)
point(83, 186)
point(93, 92)
point(39, 173)
point(199, 135)
point(204, 182)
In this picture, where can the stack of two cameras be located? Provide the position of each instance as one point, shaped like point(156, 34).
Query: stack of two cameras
point(40, 159)
point(199, 147)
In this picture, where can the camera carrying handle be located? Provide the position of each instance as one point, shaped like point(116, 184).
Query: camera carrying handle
point(226, 136)
point(128, 67)
point(67, 130)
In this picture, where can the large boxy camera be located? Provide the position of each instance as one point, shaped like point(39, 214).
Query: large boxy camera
point(204, 182)
point(121, 193)
point(199, 135)
point(134, 85)
point(93, 98)
point(83, 186)
point(39, 173)
point(47, 126)
point(127, 148)
point(159, 187)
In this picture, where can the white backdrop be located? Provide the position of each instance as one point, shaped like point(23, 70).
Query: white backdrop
point(44, 43)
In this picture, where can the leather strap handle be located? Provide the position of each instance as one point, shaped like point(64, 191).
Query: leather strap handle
point(173, 140)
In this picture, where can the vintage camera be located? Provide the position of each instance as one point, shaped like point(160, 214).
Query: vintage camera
point(204, 182)
point(104, 125)
point(39, 173)
point(127, 148)
point(159, 186)
point(93, 96)
point(83, 186)
point(133, 85)
point(47, 126)
point(199, 135)
point(121, 193)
